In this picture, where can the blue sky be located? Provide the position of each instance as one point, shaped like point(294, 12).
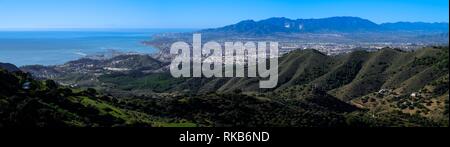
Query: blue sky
point(205, 13)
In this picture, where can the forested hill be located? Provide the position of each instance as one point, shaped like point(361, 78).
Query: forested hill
point(389, 87)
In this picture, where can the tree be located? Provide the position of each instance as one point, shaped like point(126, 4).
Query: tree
point(51, 84)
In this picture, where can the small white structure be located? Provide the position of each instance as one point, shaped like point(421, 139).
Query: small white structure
point(384, 91)
point(414, 94)
point(73, 85)
point(116, 69)
point(287, 25)
point(26, 86)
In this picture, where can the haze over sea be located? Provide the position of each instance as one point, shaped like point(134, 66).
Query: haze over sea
point(52, 47)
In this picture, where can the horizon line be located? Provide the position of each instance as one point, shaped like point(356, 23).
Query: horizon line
point(95, 28)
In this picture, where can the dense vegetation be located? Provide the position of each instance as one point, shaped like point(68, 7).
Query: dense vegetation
point(25, 102)
point(387, 88)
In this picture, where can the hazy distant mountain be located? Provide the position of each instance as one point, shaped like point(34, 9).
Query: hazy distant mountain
point(323, 25)
point(416, 26)
point(9, 67)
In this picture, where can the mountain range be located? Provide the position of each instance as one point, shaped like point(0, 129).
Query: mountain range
point(325, 25)
point(344, 31)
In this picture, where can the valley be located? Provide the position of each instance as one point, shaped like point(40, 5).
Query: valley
point(359, 74)
point(389, 87)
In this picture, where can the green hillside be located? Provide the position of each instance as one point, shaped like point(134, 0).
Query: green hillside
point(349, 77)
point(25, 102)
point(385, 88)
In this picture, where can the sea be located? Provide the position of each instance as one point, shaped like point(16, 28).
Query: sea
point(54, 47)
